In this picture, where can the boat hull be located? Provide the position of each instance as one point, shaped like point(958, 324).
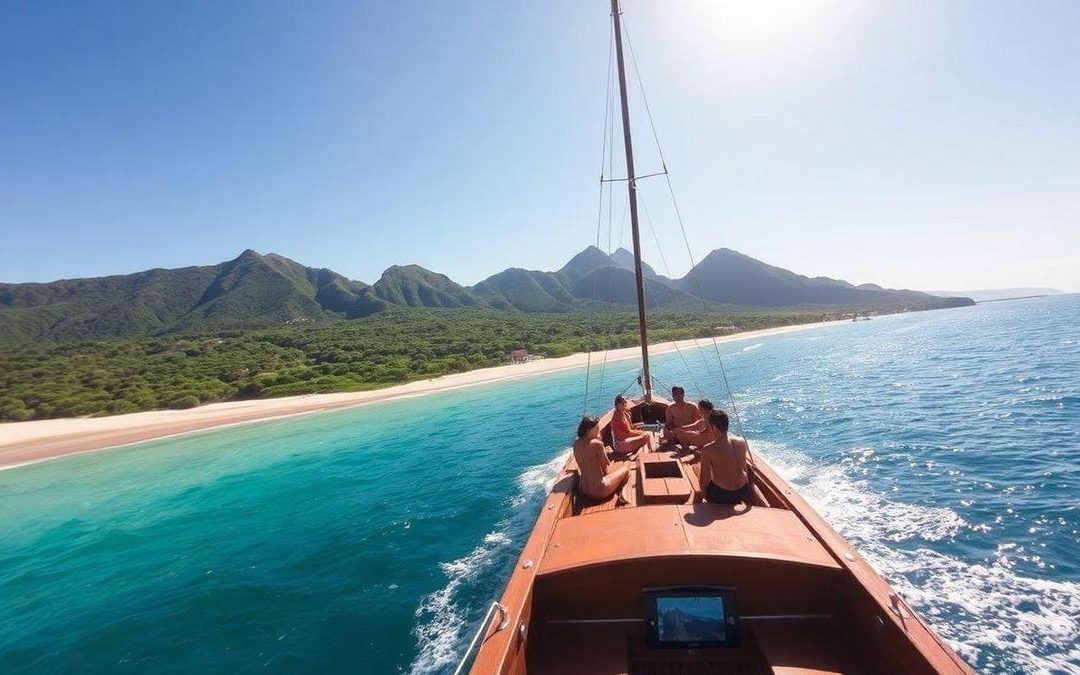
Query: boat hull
point(806, 595)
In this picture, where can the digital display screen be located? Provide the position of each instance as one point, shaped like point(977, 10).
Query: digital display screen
point(690, 619)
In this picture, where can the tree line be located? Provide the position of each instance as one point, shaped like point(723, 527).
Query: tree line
point(49, 380)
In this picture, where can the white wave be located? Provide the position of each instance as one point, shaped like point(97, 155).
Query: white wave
point(976, 607)
point(752, 347)
point(441, 620)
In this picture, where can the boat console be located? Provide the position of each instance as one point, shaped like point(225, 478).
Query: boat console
point(661, 585)
point(690, 630)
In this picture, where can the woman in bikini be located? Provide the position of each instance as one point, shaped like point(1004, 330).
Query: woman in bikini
point(627, 436)
point(597, 479)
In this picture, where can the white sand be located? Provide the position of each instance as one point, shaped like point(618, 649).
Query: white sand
point(28, 442)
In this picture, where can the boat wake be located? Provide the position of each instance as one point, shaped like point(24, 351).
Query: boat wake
point(983, 610)
point(753, 347)
point(447, 618)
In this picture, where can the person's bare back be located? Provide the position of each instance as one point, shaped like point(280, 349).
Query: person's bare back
point(725, 476)
point(596, 479)
point(592, 465)
point(724, 462)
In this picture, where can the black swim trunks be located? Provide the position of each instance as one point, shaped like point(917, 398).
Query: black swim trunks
point(718, 495)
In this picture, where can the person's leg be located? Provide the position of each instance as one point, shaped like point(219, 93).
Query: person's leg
point(628, 445)
point(688, 438)
point(616, 480)
point(613, 481)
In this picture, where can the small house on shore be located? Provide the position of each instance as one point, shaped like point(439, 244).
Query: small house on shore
point(519, 356)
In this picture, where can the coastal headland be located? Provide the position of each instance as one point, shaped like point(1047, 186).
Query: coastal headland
point(35, 441)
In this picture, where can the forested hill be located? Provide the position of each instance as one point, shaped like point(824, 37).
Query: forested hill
point(254, 291)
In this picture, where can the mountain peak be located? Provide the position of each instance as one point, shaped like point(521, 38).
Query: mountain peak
point(625, 259)
point(586, 261)
point(416, 286)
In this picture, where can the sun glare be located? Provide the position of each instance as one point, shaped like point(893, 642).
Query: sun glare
point(761, 32)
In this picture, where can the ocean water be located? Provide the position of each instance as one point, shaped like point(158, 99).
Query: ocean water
point(945, 445)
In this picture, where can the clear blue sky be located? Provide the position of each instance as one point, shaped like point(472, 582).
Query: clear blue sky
point(913, 144)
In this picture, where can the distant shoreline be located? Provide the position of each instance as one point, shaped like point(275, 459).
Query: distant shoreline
point(1018, 297)
point(23, 443)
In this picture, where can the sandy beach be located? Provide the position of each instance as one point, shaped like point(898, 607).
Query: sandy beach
point(39, 440)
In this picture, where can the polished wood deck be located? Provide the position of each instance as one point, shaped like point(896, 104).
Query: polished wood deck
point(808, 602)
point(662, 530)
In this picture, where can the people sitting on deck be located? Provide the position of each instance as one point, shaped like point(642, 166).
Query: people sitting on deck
point(628, 437)
point(725, 473)
point(681, 413)
point(596, 478)
point(700, 432)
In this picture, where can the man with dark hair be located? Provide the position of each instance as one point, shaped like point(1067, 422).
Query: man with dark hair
point(725, 472)
point(681, 413)
point(700, 432)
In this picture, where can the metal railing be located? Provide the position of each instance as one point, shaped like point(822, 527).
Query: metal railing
point(482, 631)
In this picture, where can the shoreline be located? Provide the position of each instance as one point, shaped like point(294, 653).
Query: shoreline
point(23, 443)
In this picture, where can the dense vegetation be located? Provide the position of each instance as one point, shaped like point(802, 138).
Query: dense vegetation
point(46, 380)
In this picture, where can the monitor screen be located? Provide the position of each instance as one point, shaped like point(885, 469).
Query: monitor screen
point(691, 617)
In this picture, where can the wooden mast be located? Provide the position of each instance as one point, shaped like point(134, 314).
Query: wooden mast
point(631, 185)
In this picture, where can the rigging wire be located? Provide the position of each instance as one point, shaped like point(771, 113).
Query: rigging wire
point(605, 151)
point(679, 218)
point(611, 168)
point(612, 318)
point(678, 300)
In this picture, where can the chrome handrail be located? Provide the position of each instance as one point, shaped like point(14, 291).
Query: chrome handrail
point(482, 630)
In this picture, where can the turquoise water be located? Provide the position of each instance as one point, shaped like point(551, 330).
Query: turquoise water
point(945, 445)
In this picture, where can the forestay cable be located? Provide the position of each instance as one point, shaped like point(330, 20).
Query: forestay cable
point(605, 152)
point(682, 226)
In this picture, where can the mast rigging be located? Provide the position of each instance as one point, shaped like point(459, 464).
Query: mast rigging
point(631, 186)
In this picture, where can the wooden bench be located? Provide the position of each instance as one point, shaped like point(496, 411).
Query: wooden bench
point(801, 647)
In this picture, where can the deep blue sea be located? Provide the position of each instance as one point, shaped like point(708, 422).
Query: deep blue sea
point(945, 445)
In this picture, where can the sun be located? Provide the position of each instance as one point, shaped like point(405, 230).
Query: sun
point(762, 32)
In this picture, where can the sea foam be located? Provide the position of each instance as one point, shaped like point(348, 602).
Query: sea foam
point(442, 618)
point(976, 608)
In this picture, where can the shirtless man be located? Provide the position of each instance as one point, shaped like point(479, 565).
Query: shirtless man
point(725, 477)
point(700, 432)
point(597, 480)
point(681, 413)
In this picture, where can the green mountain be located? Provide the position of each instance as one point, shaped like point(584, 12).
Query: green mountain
point(729, 277)
point(591, 275)
point(616, 285)
point(265, 290)
point(586, 261)
point(625, 259)
point(252, 290)
point(414, 286)
point(527, 291)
